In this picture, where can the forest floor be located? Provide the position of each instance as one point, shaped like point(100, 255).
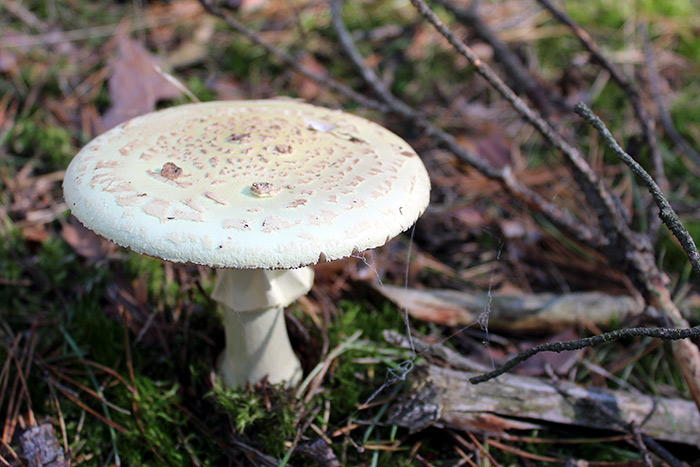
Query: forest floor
point(115, 351)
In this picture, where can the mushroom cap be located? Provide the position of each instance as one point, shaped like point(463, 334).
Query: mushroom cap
point(247, 184)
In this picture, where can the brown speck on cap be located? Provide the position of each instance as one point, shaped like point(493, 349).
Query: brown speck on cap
point(263, 189)
point(238, 137)
point(171, 171)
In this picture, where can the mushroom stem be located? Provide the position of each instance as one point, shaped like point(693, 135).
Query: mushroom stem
point(257, 345)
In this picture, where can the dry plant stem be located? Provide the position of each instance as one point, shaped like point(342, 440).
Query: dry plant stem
point(655, 88)
point(613, 222)
point(666, 212)
point(289, 60)
point(556, 215)
point(627, 86)
point(659, 333)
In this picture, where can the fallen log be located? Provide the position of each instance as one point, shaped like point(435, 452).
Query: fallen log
point(445, 398)
point(544, 312)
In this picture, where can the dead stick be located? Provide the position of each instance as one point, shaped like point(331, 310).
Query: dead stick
point(514, 69)
point(659, 333)
point(655, 89)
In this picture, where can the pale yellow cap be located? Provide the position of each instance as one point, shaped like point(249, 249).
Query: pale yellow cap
point(248, 184)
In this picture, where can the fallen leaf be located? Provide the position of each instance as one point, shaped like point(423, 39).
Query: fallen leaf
point(493, 146)
point(308, 89)
point(84, 242)
point(136, 84)
point(35, 233)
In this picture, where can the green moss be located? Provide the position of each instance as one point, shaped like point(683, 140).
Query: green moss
point(269, 419)
point(53, 145)
point(162, 424)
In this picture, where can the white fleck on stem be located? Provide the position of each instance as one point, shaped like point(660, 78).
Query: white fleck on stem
point(257, 345)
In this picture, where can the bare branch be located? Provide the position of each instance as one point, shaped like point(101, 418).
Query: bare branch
point(666, 212)
point(658, 333)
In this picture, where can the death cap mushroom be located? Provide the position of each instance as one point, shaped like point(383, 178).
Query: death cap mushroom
point(248, 184)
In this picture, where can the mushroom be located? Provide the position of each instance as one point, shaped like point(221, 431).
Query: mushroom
point(258, 190)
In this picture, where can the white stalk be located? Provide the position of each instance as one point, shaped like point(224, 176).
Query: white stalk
point(252, 302)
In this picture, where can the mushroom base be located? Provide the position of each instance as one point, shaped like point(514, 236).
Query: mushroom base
point(252, 303)
point(257, 346)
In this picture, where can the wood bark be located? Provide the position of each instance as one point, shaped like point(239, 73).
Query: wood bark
point(539, 313)
point(445, 397)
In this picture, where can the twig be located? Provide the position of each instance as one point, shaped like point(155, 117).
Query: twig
point(660, 451)
point(655, 88)
point(659, 333)
point(289, 59)
point(377, 85)
point(600, 198)
point(666, 212)
point(627, 86)
point(559, 217)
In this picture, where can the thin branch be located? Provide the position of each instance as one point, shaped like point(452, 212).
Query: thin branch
point(560, 218)
point(658, 333)
point(666, 212)
point(627, 86)
point(655, 88)
point(600, 198)
point(289, 60)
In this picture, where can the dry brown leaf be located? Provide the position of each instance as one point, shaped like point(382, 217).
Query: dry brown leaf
point(308, 89)
point(493, 146)
point(84, 242)
point(136, 85)
point(35, 233)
